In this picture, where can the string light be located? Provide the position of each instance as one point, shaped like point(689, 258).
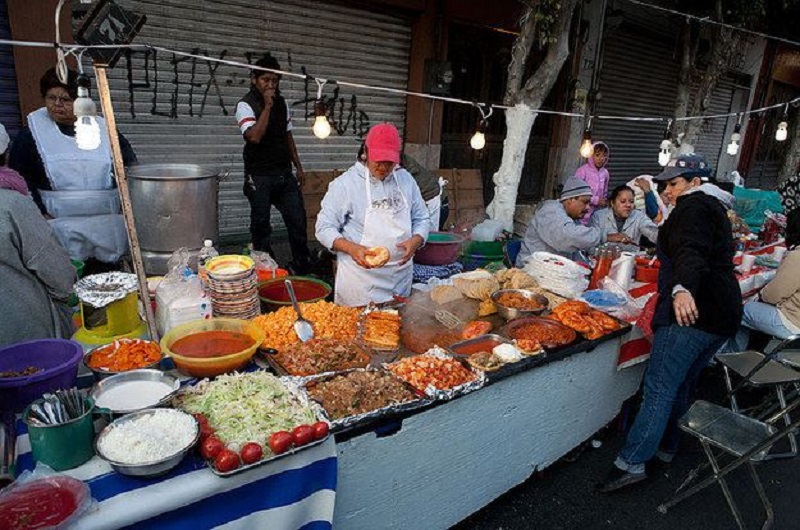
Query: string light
point(733, 147)
point(321, 127)
point(666, 144)
point(782, 133)
point(478, 140)
point(587, 148)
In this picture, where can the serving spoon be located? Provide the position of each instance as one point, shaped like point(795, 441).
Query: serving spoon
point(302, 327)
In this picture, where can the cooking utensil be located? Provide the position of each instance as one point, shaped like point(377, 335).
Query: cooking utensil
point(303, 328)
point(445, 318)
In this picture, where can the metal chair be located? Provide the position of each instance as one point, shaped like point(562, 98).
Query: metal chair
point(777, 369)
point(743, 437)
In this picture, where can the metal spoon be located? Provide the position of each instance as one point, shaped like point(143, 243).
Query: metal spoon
point(303, 328)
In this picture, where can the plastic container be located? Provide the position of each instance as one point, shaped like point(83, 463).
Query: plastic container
point(442, 248)
point(212, 366)
point(58, 360)
point(273, 292)
point(206, 253)
point(645, 271)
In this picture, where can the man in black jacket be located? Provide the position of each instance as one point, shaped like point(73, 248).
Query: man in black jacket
point(699, 308)
point(265, 121)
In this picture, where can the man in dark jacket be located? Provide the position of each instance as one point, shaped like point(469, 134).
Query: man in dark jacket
point(699, 308)
point(269, 152)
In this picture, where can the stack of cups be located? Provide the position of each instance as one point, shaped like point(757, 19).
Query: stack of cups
point(233, 287)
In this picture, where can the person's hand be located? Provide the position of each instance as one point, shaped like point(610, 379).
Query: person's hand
point(359, 255)
point(409, 247)
point(602, 202)
point(644, 184)
point(269, 96)
point(301, 178)
point(685, 309)
point(619, 238)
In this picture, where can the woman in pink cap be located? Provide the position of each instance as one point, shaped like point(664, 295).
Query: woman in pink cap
point(373, 205)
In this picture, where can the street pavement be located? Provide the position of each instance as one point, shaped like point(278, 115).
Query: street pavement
point(562, 497)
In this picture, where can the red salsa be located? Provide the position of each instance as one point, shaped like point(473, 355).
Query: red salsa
point(207, 344)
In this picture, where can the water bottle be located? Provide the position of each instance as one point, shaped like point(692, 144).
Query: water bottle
point(206, 253)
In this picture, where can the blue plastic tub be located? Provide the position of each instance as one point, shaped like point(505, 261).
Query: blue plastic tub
point(57, 359)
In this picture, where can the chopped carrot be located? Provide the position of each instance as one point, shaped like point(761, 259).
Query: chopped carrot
point(125, 354)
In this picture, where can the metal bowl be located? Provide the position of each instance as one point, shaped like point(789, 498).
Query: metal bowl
point(114, 381)
point(147, 469)
point(510, 313)
point(102, 374)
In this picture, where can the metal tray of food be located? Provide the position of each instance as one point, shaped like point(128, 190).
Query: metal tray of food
point(471, 346)
point(273, 358)
point(352, 421)
point(245, 467)
point(569, 334)
point(444, 394)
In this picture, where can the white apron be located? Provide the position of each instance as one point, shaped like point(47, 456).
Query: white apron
point(84, 204)
point(385, 225)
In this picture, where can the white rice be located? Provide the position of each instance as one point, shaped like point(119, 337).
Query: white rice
point(149, 438)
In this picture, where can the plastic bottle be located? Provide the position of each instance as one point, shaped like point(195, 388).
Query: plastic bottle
point(206, 253)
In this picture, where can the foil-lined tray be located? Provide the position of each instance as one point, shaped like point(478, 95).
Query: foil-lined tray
point(439, 394)
point(349, 422)
point(99, 290)
point(296, 393)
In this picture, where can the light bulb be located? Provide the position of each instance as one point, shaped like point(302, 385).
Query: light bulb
point(478, 141)
point(321, 128)
point(87, 130)
point(733, 148)
point(587, 149)
point(664, 155)
point(782, 132)
point(87, 133)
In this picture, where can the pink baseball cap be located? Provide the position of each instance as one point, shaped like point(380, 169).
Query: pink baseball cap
point(383, 143)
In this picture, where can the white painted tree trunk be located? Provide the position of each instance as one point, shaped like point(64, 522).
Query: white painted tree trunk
point(519, 122)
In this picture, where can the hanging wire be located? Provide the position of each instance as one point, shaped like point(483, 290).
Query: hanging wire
point(320, 85)
point(70, 48)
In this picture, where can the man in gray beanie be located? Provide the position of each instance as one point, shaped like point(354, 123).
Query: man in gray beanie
point(555, 225)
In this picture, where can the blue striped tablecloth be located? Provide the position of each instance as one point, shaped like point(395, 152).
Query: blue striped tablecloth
point(295, 492)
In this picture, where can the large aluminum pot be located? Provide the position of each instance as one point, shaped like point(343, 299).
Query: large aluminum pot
point(174, 206)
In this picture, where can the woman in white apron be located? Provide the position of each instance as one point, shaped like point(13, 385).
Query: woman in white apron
point(77, 189)
point(353, 219)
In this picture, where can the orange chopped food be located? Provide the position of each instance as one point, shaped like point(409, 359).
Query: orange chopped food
point(330, 322)
point(422, 371)
point(125, 354)
point(518, 301)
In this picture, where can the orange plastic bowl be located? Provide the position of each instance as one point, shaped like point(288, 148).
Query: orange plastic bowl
point(212, 366)
point(646, 274)
point(266, 274)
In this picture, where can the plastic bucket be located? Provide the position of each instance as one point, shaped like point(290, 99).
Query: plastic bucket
point(57, 360)
point(442, 248)
point(267, 274)
point(66, 445)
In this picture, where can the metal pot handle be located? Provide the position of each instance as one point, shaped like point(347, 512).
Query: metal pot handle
point(222, 177)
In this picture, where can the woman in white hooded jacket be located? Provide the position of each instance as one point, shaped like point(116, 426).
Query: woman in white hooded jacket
point(623, 217)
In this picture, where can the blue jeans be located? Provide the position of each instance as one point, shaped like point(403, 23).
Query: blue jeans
point(761, 317)
point(679, 354)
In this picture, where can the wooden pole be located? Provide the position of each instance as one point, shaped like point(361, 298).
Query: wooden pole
point(124, 195)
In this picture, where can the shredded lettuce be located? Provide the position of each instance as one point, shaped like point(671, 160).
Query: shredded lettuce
point(246, 407)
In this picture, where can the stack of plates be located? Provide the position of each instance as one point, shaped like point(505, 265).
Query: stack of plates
point(232, 285)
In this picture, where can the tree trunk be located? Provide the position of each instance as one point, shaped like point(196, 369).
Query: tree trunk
point(791, 164)
point(526, 99)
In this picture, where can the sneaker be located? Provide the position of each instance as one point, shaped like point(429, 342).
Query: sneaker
point(618, 479)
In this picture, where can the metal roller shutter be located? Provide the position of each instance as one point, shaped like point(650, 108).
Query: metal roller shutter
point(637, 79)
point(183, 110)
point(9, 100)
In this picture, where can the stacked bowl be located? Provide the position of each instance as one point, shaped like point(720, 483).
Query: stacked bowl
point(232, 286)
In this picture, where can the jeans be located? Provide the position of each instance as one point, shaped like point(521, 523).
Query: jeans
point(282, 191)
point(679, 354)
point(761, 317)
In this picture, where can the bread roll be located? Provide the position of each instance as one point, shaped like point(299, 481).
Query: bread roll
point(377, 256)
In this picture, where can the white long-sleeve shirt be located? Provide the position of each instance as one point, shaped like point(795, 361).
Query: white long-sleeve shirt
point(345, 204)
